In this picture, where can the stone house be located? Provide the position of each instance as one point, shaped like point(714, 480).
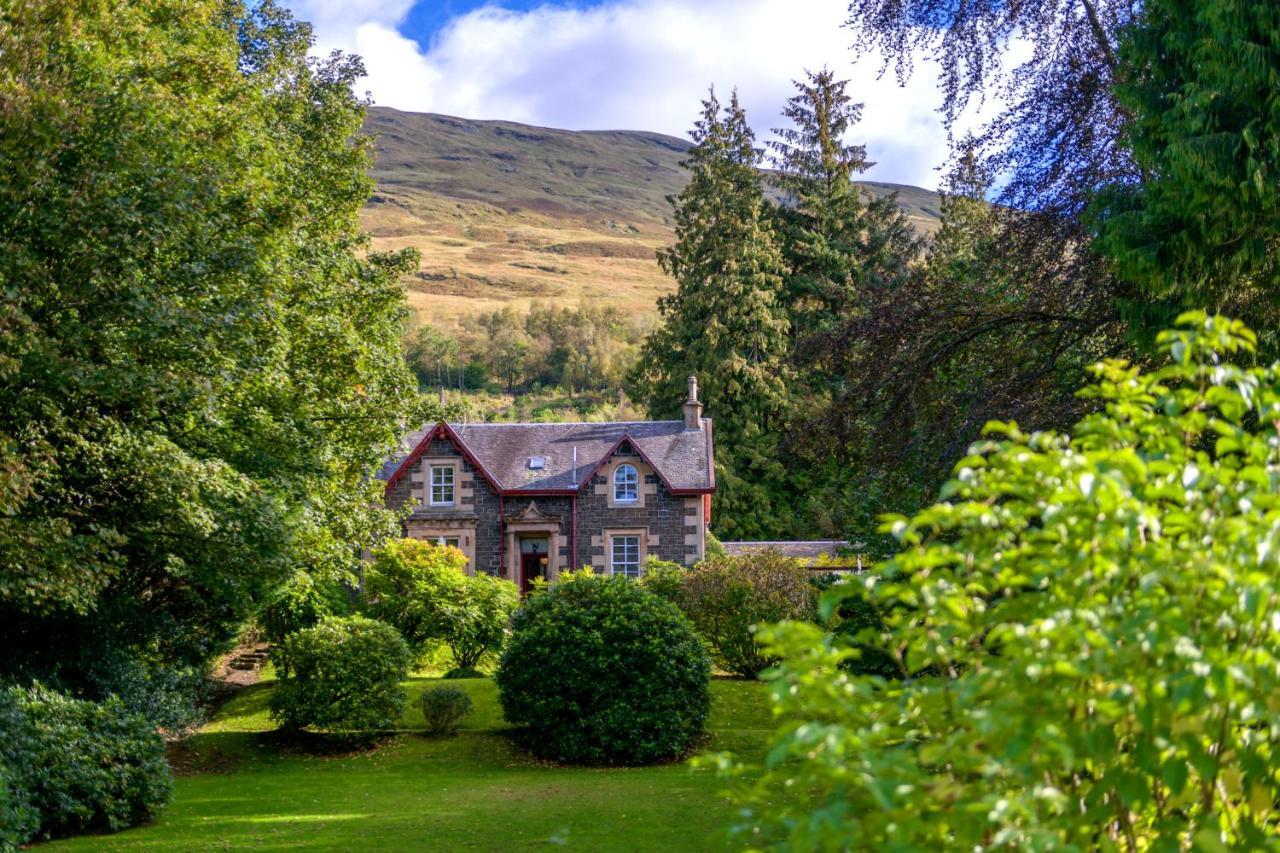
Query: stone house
point(523, 501)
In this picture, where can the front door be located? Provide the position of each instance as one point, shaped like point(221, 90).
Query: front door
point(531, 566)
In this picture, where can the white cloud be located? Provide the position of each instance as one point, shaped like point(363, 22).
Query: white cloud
point(635, 64)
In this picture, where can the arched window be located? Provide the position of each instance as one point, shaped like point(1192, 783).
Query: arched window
point(626, 484)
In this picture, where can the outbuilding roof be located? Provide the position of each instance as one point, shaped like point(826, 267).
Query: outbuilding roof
point(681, 457)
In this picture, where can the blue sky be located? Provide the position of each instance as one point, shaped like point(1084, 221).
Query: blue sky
point(627, 64)
point(428, 17)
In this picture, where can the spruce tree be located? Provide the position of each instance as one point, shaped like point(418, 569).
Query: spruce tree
point(725, 322)
point(839, 241)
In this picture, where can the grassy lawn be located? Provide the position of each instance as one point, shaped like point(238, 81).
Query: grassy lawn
point(238, 788)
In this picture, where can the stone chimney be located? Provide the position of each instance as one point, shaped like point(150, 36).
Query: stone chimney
point(692, 408)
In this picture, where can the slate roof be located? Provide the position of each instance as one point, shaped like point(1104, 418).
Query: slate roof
point(681, 457)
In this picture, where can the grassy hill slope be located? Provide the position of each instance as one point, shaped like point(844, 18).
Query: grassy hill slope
point(505, 213)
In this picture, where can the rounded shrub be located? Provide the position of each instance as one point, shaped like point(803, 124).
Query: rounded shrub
point(444, 708)
point(727, 598)
point(600, 671)
point(343, 676)
point(72, 766)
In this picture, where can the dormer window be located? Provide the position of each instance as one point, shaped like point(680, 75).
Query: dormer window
point(626, 484)
point(441, 485)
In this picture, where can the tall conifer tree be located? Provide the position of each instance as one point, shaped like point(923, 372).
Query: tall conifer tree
point(725, 323)
point(839, 241)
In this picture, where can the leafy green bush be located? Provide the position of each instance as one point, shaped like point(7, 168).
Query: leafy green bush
point(172, 698)
point(300, 603)
point(423, 590)
point(727, 597)
point(343, 676)
point(463, 672)
point(858, 621)
point(72, 766)
point(663, 579)
point(600, 671)
point(1091, 624)
point(18, 821)
point(443, 708)
point(714, 547)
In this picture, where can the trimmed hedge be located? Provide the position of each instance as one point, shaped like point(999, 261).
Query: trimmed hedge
point(69, 766)
point(343, 676)
point(600, 671)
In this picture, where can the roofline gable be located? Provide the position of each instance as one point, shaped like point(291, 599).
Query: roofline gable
point(626, 437)
point(442, 429)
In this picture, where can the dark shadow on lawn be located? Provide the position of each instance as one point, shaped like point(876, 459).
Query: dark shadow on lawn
point(225, 752)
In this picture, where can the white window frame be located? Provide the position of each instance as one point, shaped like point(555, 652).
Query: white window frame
point(629, 568)
point(619, 483)
point(450, 541)
point(450, 483)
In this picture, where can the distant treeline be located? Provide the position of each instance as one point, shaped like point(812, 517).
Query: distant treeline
point(576, 349)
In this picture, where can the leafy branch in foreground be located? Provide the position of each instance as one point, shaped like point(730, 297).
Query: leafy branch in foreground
point(1087, 629)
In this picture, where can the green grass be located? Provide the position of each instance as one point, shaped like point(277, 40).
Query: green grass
point(239, 787)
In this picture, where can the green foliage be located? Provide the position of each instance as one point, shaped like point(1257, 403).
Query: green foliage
point(726, 598)
point(840, 243)
point(301, 603)
point(725, 323)
point(171, 698)
point(423, 590)
point(343, 676)
point(664, 579)
point(444, 708)
point(200, 361)
point(18, 821)
point(70, 766)
point(583, 348)
point(714, 547)
point(600, 671)
point(858, 622)
point(1197, 82)
point(1090, 622)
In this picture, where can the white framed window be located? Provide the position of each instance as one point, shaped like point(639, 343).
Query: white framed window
point(451, 541)
point(624, 558)
point(626, 484)
point(441, 485)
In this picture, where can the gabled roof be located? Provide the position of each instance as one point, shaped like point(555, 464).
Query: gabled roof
point(500, 452)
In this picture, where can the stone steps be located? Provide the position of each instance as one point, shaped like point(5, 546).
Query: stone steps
point(247, 661)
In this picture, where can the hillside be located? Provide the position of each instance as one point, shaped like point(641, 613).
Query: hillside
point(505, 213)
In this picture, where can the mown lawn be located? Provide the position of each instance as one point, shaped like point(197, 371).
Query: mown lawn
point(240, 787)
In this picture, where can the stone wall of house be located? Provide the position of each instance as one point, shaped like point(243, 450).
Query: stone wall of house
point(475, 500)
point(673, 523)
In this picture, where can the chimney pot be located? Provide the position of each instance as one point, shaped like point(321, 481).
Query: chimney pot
point(692, 407)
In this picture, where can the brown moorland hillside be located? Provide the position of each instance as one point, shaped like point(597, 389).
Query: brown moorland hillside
point(509, 214)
